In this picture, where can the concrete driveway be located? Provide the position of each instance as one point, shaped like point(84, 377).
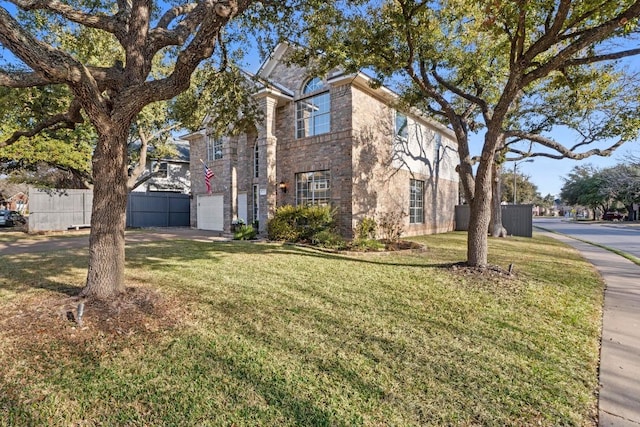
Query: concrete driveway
point(80, 239)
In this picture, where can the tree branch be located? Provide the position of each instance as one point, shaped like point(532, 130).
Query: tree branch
point(105, 77)
point(584, 40)
point(600, 58)
point(563, 152)
point(67, 120)
point(101, 22)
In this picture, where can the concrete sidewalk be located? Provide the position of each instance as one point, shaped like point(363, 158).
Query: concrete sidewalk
point(619, 401)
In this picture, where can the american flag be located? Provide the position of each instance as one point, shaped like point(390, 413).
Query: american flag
point(208, 174)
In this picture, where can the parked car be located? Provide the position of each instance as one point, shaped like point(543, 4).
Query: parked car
point(11, 218)
point(612, 216)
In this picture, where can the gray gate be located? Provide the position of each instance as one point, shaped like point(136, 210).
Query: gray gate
point(158, 209)
point(54, 210)
point(57, 210)
point(517, 219)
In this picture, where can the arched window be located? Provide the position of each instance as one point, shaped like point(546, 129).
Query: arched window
point(313, 115)
point(312, 85)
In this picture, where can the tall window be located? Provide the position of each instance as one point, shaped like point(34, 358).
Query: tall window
point(402, 125)
point(214, 148)
point(256, 161)
point(313, 115)
point(256, 202)
point(437, 146)
point(313, 188)
point(163, 170)
point(416, 201)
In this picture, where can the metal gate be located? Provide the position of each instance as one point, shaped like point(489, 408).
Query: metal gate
point(158, 209)
point(517, 219)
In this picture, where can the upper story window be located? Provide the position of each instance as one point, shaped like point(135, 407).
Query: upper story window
point(163, 170)
point(160, 169)
point(402, 125)
point(312, 85)
point(437, 146)
point(214, 148)
point(256, 161)
point(313, 115)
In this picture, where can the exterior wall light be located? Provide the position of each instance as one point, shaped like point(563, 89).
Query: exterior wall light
point(282, 186)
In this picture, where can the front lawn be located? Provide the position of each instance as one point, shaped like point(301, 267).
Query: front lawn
point(247, 334)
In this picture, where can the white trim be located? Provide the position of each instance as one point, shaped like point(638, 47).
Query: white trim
point(270, 63)
point(362, 81)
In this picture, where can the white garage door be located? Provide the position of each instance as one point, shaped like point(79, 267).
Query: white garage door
point(211, 213)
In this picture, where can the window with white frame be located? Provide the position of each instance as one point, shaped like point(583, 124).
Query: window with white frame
point(163, 170)
point(313, 188)
point(256, 161)
point(214, 148)
point(416, 201)
point(313, 114)
point(402, 125)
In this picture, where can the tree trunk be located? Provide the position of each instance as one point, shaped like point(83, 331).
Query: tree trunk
point(480, 216)
point(105, 277)
point(496, 229)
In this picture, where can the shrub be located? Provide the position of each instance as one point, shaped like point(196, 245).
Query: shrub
point(283, 225)
point(366, 229)
point(329, 239)
point(391, 225)
point(367, 245)
point(301, 223)
point(314, 219)
point(245, 232)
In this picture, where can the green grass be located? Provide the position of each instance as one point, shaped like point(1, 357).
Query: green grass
point(279, 335)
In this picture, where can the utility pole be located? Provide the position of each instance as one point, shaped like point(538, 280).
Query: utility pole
point(515, 166)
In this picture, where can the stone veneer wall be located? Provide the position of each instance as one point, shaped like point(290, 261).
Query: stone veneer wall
point(366, 180)
point(381, 180)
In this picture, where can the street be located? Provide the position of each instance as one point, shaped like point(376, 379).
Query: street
point(616, 235)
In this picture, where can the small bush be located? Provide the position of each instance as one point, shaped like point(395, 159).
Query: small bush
point(300, 223)
point(391, 225)
point(314, 219)
point(245, 232)
point(283, 225)
point(367, 245)
point(329, 239)
point(366, 229)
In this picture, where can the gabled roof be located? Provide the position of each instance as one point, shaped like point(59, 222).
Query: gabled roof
point(360, 79)
point(276, 56)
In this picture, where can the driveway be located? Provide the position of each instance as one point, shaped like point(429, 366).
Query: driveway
point(80, 240)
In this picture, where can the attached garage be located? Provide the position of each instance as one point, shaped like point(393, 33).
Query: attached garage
point(211, 212)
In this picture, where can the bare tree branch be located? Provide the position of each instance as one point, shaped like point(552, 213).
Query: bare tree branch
point(563, 152)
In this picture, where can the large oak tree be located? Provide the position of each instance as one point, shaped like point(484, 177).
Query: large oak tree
point(516, 69)
point(110, 92)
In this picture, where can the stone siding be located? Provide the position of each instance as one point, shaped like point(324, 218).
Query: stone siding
point(369, 172)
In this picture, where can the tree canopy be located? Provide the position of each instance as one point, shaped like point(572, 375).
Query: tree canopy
point(603, 189)
point(142, 53)
point(513, 69)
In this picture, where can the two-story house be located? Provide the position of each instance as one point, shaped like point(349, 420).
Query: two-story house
point(327, 140)
point(168, 174)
